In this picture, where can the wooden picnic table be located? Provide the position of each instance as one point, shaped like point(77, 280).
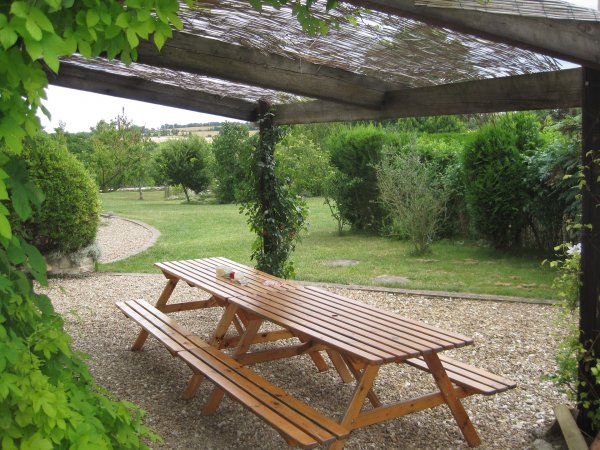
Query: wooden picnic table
point(359, 339)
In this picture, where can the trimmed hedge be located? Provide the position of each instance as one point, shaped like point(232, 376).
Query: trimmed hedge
point(354, 153)
point(495, 187)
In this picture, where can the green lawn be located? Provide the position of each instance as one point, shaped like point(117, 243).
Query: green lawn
point(197, 231)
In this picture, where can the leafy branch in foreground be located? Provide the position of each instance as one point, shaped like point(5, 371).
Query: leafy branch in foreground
point(48, 399)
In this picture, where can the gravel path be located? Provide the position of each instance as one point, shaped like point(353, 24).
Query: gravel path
point(120, 238)
point(511, 339)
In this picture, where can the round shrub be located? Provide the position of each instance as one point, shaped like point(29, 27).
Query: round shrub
point(494, 183)
point(68, 218)
point(355, 152)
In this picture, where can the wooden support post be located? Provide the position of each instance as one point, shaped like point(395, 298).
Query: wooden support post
point(192, 386)
point(267, 155)
point(246, 340)
point(340, 366)
point(223, 325)
point(589, 321)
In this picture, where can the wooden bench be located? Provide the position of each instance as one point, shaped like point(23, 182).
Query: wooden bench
point(297, 422)
point(469, 377)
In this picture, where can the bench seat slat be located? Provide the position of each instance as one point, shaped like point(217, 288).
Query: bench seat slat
point(249, 400)
point(258, 399)
point(460, 373)
point(280, 394)
point(155, 319)
point(291, 417)
point(166, 338)
point(163, 317)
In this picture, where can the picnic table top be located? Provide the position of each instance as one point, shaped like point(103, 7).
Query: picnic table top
point(370, 334)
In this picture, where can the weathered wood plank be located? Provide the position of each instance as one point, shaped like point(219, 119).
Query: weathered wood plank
point(589, 294)
point(188, 306)
point(560, 89)
point(267, 336)
point(468, 376)
point(196, 54)
point(305, 327)
point(569, 428)
point(134, 88)
point(577, 41)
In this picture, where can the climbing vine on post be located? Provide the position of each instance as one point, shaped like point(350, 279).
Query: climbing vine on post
point(274, 213)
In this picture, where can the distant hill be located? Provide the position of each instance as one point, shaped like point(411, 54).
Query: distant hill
point(206, 130)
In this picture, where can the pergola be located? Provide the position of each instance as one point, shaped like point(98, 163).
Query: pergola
point(384, 59)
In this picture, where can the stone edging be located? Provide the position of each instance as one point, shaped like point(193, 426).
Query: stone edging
point(146, 246)
point(439, 294)
point(445, 294)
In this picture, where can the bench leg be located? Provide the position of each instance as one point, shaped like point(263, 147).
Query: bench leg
point(456, 407)
point(213, 401)
point(252, 327)
point(192, 386)
point(223, 325)
point(162, 301)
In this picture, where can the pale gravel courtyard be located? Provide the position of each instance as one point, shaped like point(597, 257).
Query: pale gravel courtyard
point(511, 339)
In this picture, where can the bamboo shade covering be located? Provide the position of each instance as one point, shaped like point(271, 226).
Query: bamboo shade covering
point(403, 53)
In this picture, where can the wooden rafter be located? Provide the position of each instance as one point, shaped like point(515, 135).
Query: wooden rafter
point(560, 89)
point(577, 41)
point(134, 88)
point(199, 55)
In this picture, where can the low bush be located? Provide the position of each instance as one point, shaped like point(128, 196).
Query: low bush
point(68, 218)
point(442, 153)
point(412, 194)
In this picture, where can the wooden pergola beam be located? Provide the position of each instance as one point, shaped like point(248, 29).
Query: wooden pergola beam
point(199, 55)
point(577, 41)
point(135, 88)
point(546, 90)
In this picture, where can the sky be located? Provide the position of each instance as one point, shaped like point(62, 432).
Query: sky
point(80, 110)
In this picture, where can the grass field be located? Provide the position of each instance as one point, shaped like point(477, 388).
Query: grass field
point(197, 231)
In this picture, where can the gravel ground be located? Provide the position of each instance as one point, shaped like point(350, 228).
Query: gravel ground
point(511, 339)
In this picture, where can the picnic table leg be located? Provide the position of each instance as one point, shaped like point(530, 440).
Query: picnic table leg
point(316, 357)
point(340, 366)
point(363, 387)
point(160, 303)
point(246, 340)
point(223, 325)
point(354, 369)
point(458, 411)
